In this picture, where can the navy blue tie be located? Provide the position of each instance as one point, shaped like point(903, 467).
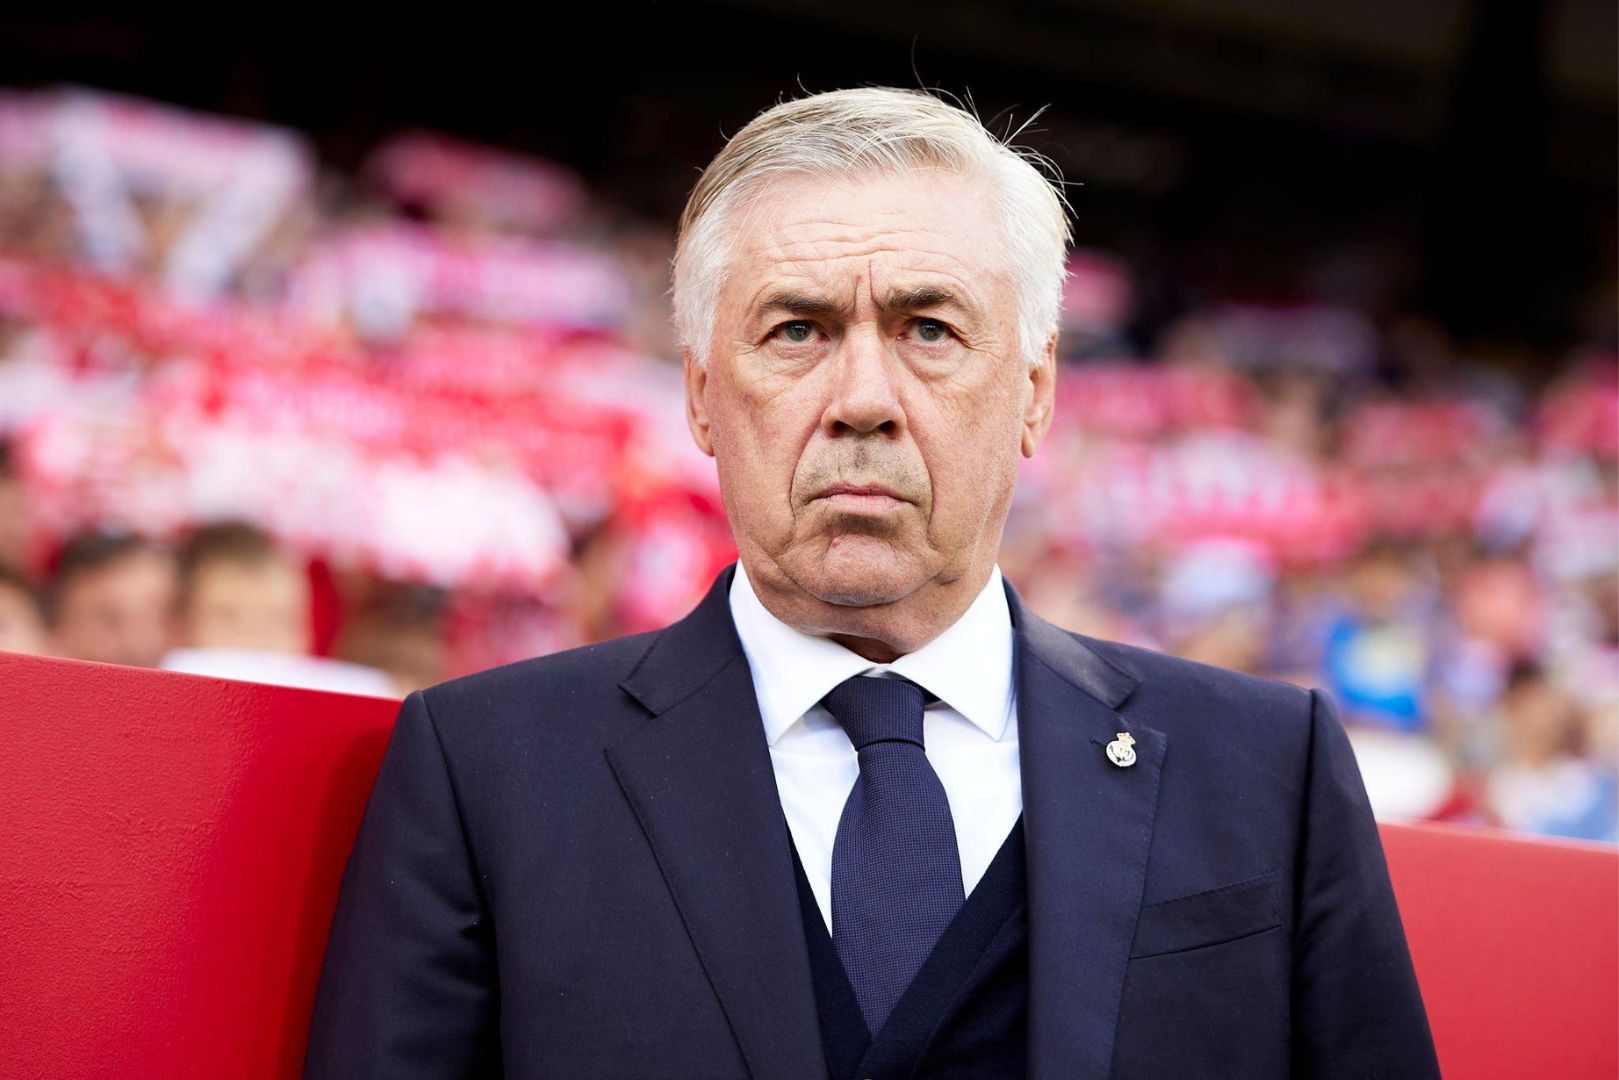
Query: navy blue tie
point(896, 873)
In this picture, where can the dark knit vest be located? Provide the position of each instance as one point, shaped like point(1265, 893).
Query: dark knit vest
point(966, 1012)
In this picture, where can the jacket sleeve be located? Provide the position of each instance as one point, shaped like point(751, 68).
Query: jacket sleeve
point(408, 986)
point(1357, 1011)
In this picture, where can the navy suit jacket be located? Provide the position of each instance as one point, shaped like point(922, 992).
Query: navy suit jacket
point(578, 866)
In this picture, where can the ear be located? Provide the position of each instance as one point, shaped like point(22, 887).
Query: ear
point(1042, 398)
point(697, 403)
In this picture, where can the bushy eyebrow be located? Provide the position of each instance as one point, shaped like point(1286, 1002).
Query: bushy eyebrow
point(797, 303)
point(924, 296)
point(911, 299)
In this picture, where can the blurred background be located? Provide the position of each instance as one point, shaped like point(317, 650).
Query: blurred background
point(336, 352)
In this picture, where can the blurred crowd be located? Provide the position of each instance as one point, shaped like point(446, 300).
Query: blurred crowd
point(366, 432)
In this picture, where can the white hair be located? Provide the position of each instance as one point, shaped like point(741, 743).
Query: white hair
point(869, 132)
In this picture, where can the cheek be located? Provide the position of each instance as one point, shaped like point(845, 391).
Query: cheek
point(764, 432)
point(972, 447)
point(757, 447)
point(972, 479)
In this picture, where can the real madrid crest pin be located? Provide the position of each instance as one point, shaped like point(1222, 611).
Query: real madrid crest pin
point(1121, 751)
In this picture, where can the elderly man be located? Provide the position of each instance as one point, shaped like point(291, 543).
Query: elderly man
point(861, 813)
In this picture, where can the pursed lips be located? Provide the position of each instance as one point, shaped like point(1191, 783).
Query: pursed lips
point(861, 496)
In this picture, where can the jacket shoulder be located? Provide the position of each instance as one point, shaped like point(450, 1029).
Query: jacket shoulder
point(1239, 750)
point(1236, 696)
point(580, 676)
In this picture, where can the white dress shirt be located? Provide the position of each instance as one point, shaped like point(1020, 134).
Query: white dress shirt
point(970, 733)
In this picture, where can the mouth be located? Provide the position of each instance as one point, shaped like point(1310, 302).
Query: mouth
point(861, 498)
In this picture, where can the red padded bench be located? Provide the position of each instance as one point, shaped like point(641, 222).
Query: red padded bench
point(172, 847)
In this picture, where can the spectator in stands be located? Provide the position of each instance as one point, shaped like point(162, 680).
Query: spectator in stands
point(244, 613)
point(239, 590)
point(1544, 784)
point(1377, 650)
point(400, 631)
point(1216, 599)
point(22, 616)
point(111, 599)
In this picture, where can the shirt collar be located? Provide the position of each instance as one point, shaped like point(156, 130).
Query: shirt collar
point(969, 666)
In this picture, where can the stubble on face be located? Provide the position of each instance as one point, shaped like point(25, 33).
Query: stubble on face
point(862, 509)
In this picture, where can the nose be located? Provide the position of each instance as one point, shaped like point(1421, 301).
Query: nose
point(865, 397)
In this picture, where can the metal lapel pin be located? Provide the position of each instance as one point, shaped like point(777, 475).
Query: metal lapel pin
point(1121, 751)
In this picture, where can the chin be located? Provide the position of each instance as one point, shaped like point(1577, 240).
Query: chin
point(862, 572)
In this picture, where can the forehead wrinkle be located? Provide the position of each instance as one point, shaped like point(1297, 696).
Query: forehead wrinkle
point(784, 230)
point(827, 272)
point(944, 290)
point(789, 287)
point(831, 257)
point(832, 248)
point(912, 289)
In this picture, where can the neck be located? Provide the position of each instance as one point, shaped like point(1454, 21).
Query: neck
point(873, 649)
point(881, 633)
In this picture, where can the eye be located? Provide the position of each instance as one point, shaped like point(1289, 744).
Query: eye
point(798, 331)
point(931, 331)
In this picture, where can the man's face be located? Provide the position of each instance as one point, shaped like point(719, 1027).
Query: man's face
point(119, 612)
point(233, 605)
point(864, 396)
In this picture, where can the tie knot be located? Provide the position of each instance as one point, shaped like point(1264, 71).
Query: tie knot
point(873, 710)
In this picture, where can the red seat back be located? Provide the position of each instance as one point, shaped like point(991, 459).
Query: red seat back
point(1516, 945)
point(171, 849)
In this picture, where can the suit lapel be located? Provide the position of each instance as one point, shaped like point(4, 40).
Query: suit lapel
point(1088, 824)
point(700, 781)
